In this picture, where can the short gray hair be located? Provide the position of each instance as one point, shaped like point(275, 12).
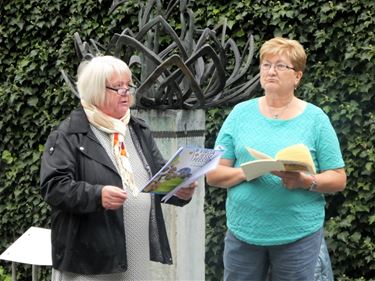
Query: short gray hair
point(94, 74)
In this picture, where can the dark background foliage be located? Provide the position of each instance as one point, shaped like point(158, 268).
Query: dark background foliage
point(36, 41)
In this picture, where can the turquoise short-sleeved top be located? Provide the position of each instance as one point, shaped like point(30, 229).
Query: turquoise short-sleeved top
point(262, 211)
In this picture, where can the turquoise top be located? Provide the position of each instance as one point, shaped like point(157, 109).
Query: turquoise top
point(262, 211)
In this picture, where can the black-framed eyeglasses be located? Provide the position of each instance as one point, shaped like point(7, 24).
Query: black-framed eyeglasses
point(278, 66)
point(124, 91)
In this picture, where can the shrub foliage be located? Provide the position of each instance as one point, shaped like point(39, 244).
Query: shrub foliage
point(37, 41)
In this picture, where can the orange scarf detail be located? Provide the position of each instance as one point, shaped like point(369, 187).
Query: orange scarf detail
point(122, 145)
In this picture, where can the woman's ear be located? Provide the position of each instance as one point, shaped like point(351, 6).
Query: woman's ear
point(298, 78)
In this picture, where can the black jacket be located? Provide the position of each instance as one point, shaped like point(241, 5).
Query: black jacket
point(86, 238)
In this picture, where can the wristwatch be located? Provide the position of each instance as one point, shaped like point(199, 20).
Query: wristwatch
point(314, 185)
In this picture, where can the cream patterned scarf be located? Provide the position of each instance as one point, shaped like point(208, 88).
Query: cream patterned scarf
point(117, 129)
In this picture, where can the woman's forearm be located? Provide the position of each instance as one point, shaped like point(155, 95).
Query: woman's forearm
point(331, 181)
point(225, 177)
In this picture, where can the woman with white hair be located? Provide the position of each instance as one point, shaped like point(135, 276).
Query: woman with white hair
point(91, 171)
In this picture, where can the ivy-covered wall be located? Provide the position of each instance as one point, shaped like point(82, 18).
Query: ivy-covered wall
point(36, 41)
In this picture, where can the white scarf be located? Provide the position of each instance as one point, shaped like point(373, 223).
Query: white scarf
point(117, 129)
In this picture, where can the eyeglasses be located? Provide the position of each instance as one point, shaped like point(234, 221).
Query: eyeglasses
point(124, 91)
point(278, 67)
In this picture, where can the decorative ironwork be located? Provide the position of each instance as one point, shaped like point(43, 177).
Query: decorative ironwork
point(199, 68)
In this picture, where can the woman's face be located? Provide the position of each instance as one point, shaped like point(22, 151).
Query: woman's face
point(116, 105)
point(277, 75)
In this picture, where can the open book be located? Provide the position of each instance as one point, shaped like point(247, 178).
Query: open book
point(183, 168)
point(292, 158)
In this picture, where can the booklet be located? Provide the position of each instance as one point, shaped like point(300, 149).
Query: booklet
point(184, 167)
point(292, 158)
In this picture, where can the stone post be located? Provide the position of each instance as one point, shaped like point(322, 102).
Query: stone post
point(186, 225)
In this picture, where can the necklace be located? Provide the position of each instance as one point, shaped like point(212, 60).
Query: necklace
point(278, 114)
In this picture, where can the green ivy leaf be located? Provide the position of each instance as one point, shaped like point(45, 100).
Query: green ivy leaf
point(33, 101)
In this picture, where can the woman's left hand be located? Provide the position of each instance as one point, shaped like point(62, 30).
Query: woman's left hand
point(186, 193)
point(292, 180)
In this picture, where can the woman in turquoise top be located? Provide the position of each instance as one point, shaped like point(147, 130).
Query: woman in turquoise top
point(275, 221)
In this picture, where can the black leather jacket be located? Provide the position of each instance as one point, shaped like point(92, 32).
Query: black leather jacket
point(86, 238)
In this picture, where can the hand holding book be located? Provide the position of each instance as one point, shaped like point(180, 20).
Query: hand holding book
point(182, 169)
point(186, 193)
point(292, 158)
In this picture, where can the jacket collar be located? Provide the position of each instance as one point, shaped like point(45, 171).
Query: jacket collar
point(90, 145)
point(78, 121)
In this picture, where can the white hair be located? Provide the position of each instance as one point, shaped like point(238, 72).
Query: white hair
point(94, 74)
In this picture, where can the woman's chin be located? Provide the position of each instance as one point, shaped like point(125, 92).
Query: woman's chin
point(119, 113)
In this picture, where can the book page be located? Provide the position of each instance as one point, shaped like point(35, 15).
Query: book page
point(210, 165)
point(298, 153)
point(257, 168)
point(183, 168)
point(297, 166)
point(294, 158)
point(161, 181)
point(257, 154)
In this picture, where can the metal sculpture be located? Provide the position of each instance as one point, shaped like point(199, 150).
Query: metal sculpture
point(195, 69)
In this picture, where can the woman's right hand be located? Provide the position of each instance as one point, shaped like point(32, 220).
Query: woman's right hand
point(113, 197)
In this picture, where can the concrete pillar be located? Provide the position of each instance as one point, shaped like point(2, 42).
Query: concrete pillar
point(186, 225)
